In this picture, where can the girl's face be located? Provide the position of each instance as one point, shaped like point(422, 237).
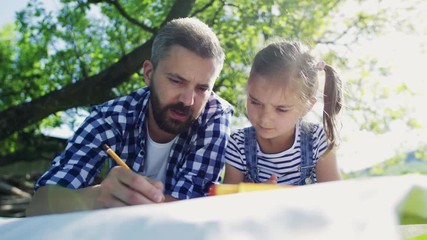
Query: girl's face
point(272, 109)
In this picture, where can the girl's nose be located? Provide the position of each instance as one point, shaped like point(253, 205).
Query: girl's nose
point(265, 117)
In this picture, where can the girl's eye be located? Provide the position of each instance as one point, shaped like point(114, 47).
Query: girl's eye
point(254, 103)
point(282, 110)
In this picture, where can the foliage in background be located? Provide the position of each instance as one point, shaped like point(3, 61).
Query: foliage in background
point(47, 51)
point(413, 162)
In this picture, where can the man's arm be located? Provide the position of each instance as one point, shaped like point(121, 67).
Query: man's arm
point(121, 187)
point(55, 199)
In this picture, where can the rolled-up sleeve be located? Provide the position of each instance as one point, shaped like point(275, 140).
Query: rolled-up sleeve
point(83, 157)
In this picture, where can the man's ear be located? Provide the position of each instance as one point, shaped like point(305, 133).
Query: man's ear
point(148, 71)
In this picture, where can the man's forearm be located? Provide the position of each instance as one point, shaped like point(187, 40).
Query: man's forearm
point(55, 199)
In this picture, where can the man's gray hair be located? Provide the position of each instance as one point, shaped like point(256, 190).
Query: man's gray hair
point(189, 33)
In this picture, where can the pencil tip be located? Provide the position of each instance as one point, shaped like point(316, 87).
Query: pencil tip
point(105, 146)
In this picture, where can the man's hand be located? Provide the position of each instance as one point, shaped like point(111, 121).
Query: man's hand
point(122, 187)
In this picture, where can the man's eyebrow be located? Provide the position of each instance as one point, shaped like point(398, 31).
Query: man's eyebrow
point(174, 75)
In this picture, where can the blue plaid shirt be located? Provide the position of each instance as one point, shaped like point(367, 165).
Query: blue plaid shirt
point(195, 160)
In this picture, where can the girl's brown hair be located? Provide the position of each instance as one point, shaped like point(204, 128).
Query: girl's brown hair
point(294, 64)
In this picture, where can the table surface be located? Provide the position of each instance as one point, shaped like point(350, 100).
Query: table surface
point(413, 230)
point(351, 209)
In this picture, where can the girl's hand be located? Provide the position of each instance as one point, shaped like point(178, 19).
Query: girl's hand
point(272, 180)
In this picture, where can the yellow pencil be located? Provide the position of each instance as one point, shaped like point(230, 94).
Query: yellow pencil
point(115, 157)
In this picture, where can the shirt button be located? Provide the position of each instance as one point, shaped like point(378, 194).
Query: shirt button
point(308, 181)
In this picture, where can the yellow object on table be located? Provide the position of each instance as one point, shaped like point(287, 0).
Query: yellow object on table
point(221, 189)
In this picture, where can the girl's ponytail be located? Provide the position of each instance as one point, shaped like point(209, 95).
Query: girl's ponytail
point(333, 101)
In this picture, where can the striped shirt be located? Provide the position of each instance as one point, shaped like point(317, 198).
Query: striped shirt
point(196, 158)
point(284, 164)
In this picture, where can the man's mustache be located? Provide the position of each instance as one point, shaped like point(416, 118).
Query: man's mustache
point(180, 107)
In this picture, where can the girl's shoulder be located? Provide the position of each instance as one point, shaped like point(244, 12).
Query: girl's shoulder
point(316, 132)
point(238, 135)
point(318, 137)
point(240, 131)
point(315, 129)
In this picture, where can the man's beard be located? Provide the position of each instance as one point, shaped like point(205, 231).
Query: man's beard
point(162, 119)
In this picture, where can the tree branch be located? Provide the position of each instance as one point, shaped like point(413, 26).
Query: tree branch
point(122, 12)
point(87, 91)
point(181, 8)
point(216, 13)
point(203, 8)
point(343, 33)
point(76, 50)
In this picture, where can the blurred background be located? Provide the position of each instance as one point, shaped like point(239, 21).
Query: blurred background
point(58, 58)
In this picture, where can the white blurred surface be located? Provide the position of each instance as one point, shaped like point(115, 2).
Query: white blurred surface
point(352, 209)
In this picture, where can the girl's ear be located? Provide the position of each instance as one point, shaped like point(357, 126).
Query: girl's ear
point(148, 71)
point(312, 101)
point(309, 105)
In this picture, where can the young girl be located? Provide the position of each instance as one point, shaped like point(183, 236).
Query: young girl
point(280, 147)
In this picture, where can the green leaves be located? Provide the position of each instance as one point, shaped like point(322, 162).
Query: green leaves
point(47, 50)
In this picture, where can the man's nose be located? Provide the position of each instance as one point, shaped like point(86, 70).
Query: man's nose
point(187, 97)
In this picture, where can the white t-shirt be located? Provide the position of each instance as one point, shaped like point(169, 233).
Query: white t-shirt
point(157, 158)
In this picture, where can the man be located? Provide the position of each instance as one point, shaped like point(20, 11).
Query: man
point(172, 133)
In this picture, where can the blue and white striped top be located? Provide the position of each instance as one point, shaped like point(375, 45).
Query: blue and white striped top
point(283, 164)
